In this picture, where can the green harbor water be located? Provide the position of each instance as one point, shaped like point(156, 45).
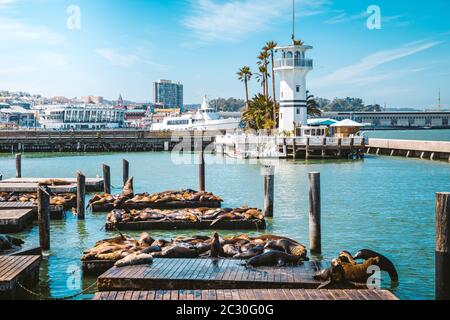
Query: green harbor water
point(385, 204)
point(428, 135)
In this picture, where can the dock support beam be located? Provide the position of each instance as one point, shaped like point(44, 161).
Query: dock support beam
point(126, 171)
point(201, 171)
point(107, 179)
point(44, 218)
point(315, 235)
point(339, 148)
point(18, 165)
point(269, 190)
point(324, 147)
point(294, 149)
point(307, 149)
point(443, 246)
point(81, 196)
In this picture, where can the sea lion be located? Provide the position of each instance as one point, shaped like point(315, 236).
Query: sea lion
point(287, 246)
point(250, 253)
point(273, 258)
point(176, 252)
point(146, 240)
point(8, 243)
point(128, 188)
point(134, 260)
point(216, 247)
point(385, 264)
point(151, 249)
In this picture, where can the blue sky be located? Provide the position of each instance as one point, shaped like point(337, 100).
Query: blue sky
point(123, 46)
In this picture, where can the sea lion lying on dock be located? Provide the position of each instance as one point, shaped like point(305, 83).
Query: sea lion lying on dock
point(66, 200)
point(9, 243)
point(287, 246)
point(274, 258)
point(134, 260)
point(346, 269)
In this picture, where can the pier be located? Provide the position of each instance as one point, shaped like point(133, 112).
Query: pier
point(56, 212)
point(97, 140)
point(13, 221)
point(92, 184)
point(245, 295)
point(430, 150)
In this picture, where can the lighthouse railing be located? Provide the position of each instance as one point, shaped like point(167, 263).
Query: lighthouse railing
point(293, 62)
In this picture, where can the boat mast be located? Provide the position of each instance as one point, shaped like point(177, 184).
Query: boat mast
point(293, 22)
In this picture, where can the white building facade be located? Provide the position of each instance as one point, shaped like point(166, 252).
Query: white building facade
point(292, 68)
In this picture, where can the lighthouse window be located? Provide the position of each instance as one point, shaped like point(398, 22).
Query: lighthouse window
point(298, 89)
point(298, 110)
point(289, 55)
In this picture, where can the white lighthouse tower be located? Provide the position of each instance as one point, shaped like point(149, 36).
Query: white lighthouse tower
point(292, 68)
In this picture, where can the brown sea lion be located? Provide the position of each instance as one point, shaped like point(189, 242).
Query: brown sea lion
point(216, 247)
point(176, 252)
point(288, 246)
point(128, 188)
point(134, 260)
point(273, 258)
point(385, 264)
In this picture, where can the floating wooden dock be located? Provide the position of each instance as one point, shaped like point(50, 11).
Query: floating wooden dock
point(15, 270)
point(159, 205)
point(15, 220)
point(56, 212)
point(92, 184)
point(188, 225)
point(202, 274)
point(27, 251)
point(32, 187)
point(246, 295)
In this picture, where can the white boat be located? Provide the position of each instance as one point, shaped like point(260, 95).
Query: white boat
point(205, 119)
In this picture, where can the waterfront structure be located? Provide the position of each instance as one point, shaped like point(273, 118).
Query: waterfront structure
point(168, 94)
point(292, 69)
point(346, 128)
point(400, 120)
point(92, 100)
point(17, 116)
point(82, 116)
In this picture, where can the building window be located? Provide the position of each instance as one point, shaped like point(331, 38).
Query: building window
point(281, 115)
point(298, 110)
point(297, 89)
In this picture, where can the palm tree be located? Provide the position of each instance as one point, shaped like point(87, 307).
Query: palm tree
point(312, 105)
point(261, 77)
point(244, 75)
point(259, 115)
point(264, 62)
point(270, 47)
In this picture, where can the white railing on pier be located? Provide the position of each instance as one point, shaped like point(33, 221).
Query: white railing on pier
point(293, 62)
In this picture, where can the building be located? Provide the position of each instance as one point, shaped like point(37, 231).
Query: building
point(292, 69)
point(92, 100)
point(65, 117)
point(17, 116)
point(168, 94)
point(346, 128)
point(400, 120)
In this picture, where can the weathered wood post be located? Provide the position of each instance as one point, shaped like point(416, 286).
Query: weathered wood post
point(294, 149)
point(307, 149)
point(81, 195)
point(363, 146)
point(126, 171)
point(340, 147)
point(44, 218)
point(107, 179)
point(285, 149)
point(443, 246)
point(315, 235)
point(352, 147)
point(201, 171)
point(324, 148)
point(18, 165)
point(269, 190)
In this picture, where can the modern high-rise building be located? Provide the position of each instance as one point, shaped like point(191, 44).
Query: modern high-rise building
point(168, 94)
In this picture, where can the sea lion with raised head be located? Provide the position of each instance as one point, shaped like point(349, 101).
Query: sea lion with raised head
point(385, 264)
point(287, 246)
point(216, 247)
point(273, 258)
point(128, 188)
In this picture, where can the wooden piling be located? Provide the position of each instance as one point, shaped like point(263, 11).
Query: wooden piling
point(107, 179)
point(44, 218)
point(324, 148)
point(315, 236)
point(294, 149)
point(307, 149)
point(201, 171)
point(443, 246)
point(81, 195)
point(269, 191)
point(18, 165)
point(126, 171)
point(340, 147)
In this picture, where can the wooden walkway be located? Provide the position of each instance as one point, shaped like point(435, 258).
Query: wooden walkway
point(18, 269)
point(56, 212)
point(246, 295)
point(15, 220)
point(200, 274)
point(32, 188)
point(92, 184)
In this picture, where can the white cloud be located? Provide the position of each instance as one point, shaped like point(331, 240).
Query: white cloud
point(211, 20)
point(116, 58)
point(13, 30)
point(363, 72)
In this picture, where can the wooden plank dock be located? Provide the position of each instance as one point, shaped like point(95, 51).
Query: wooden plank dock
point(15, 220)
point(159, 205)
point(92, 184)
point(188, 225)
point(246, 295)
point(202, 274)
point(56, 212)
point(32, 187)
point(15, 270)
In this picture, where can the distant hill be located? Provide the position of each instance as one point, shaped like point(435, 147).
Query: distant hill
point(227, 105)
point(346, 105)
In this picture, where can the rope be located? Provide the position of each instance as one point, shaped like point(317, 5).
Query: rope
point(58, 298)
